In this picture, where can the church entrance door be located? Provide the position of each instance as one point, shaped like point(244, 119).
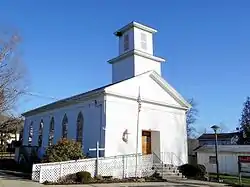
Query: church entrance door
point(146, 142)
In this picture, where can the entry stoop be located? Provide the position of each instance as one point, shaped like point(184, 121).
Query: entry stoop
point(168, 172)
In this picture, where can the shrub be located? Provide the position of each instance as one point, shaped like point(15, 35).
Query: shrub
point(68, 179)
point(64, 150)
point(193, 171)
point(47, 183)
point(3, 148)
point(83, 177)
point(98, 178)
point(202, 169)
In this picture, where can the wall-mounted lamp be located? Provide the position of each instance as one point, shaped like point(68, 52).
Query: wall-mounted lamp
point(125, 136)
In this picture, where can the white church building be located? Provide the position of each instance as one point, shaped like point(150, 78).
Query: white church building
point(139, 112)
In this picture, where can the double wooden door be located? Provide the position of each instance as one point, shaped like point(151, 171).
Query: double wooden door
point(146, 142)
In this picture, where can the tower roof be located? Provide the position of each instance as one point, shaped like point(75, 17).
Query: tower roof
point(134, 24)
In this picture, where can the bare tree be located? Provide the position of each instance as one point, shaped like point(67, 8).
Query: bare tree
point(12, 82)
point(191, 118)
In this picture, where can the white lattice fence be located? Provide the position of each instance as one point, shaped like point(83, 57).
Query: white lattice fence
point(55, 172)
point(118, 167)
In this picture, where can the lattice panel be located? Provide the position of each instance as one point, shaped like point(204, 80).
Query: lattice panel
point(117, 167)
point(50, 173)
point(146, 165)
point(111, 167)
point(36, 169)
point(130, 166)
point(83, 165)
point(36, 172)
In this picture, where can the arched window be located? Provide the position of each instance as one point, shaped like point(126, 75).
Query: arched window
point(65, 126)
point(51, 131)
point(31, 131)
point(40, 134)
point(79, 128)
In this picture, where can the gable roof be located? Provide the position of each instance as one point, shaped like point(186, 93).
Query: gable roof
point(211, 136)
point(169, 89)
point(224, 148)
point(101, 90)
point(70, 100)
point(65, 102)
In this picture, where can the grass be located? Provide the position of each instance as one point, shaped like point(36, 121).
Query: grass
point(229, 179)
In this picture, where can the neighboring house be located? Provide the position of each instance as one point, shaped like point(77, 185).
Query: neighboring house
point(227, 157)
point(10, 122)
point(222, 138)
point(138, 95)
point(192, 155)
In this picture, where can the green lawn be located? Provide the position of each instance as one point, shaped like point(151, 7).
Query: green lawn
point(233, 179)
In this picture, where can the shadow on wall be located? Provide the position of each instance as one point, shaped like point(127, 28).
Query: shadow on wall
point(180, 150)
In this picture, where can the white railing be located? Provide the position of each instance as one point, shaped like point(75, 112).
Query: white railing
point(118, 167)
point(170, 158)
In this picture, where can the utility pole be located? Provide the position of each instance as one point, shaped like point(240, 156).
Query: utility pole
point(137, 129)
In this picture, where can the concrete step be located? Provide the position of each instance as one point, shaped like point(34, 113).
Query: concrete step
point(167, 170)
point(169, 173)
point(164, 166)
point(172, 178)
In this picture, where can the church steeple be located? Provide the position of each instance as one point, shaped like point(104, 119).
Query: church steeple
point(135, 52)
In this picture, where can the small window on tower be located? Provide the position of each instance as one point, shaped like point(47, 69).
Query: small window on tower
point(126, 42)
point(144, 41)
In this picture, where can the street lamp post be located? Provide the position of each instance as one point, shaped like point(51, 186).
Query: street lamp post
point(216, 128)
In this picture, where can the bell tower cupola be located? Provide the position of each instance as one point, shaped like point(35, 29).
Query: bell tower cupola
point(136, 55)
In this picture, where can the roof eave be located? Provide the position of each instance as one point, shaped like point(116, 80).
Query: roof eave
point(63, 103)
point(134, 24)
point(172, 91)
point(136, 52)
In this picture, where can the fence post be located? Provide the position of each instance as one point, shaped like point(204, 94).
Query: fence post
point(61, 170)
point(126, 166)
point(171, 155)
point(97, 166)
point(123, 166)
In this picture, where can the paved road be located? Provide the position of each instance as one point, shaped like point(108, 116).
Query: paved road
point(7, 180)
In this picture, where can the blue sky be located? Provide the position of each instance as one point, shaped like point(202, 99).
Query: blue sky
point(66, 45)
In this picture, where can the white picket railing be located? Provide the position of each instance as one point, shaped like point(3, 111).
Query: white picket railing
point(118, 167)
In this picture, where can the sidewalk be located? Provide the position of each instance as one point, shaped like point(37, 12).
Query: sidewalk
point(150, 184)
point(197, 182)
point(6, 181)
point(181, 183)
point(16, 173)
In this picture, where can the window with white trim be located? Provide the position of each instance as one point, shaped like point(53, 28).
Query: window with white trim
point(212, 159)
point(51, 131)
point(31, 131)
point(65, 127)
point(79, 129)
point(40, 134)
point(144, 41)
point(126, 42)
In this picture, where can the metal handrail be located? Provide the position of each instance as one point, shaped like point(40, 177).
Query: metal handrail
point(160, 161)
point(180, 160)
point(168, 158)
